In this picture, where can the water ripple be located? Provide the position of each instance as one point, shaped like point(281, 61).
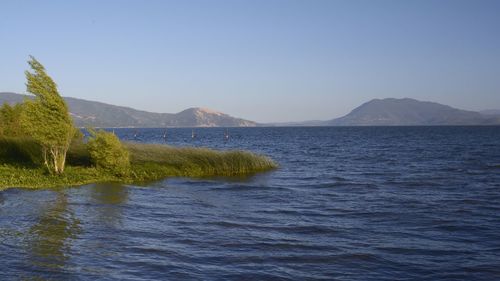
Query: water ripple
point(410, 203)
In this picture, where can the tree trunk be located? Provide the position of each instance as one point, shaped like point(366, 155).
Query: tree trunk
point(45, 157)
point(63, 158)
point(57, 158)
point(54, 159)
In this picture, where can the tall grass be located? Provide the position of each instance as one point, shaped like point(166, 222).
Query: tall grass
point(154, 160)
point(21, 151)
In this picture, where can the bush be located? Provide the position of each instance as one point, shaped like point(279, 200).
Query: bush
point(107, 153)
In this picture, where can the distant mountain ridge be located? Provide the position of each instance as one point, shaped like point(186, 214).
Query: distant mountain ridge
point(410, 112)
point(406, 112)
point(97, 114)
point(377, 112)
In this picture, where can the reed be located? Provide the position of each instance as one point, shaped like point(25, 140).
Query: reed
point(154, 161)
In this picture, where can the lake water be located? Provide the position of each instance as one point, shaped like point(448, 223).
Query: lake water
point(380, 203)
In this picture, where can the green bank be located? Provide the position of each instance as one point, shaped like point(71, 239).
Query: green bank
point(20, 164)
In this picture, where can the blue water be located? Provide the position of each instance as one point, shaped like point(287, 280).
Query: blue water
point(382, 203)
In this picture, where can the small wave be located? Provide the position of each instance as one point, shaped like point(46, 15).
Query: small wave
point(249, 187)
point(492, 166)
point(293, 229)
point(307, 213)
point(422, 251)
point(280, 246)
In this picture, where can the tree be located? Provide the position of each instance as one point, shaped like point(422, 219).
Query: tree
point(10, 116)
point(46, 118)
point(108, 153)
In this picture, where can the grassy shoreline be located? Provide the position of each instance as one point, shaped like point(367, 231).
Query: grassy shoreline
point(149, 162)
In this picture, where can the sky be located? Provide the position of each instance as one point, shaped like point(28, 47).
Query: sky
point(263, 60)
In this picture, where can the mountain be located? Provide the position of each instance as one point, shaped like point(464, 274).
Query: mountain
point(490, 112)
point(11, 98)
point(97, 114)
point(410, 112)
point(311, 123)
point(405, 112)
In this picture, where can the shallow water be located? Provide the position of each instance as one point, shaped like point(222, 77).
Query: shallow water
point(382, 203)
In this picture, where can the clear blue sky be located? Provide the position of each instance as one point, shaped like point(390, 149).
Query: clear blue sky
point(269, 60)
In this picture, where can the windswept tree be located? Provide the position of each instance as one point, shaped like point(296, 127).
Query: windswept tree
point(46, 118)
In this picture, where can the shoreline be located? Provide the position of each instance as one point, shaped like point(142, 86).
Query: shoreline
point(149, 162)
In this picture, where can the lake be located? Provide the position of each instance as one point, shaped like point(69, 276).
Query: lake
point(347, 203)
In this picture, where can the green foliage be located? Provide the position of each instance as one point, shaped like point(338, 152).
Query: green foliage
point(147, 163)
point(22, 151)
point(107, 152)
point(78, 154)
point(27, 177)
point(10, 120)
point(46, 118)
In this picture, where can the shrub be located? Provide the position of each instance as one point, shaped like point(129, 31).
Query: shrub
point(107, 152)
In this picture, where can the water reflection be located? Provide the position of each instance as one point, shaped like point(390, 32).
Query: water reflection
point(51, 236)
point(109, 197)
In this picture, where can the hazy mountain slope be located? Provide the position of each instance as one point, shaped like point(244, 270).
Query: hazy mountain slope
point(90, 113)
point(11, 98)
point(106, 115)
point(490, 112)
point(401, 112)
point(309, 123)
point(493, 115)
point(209, 118)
